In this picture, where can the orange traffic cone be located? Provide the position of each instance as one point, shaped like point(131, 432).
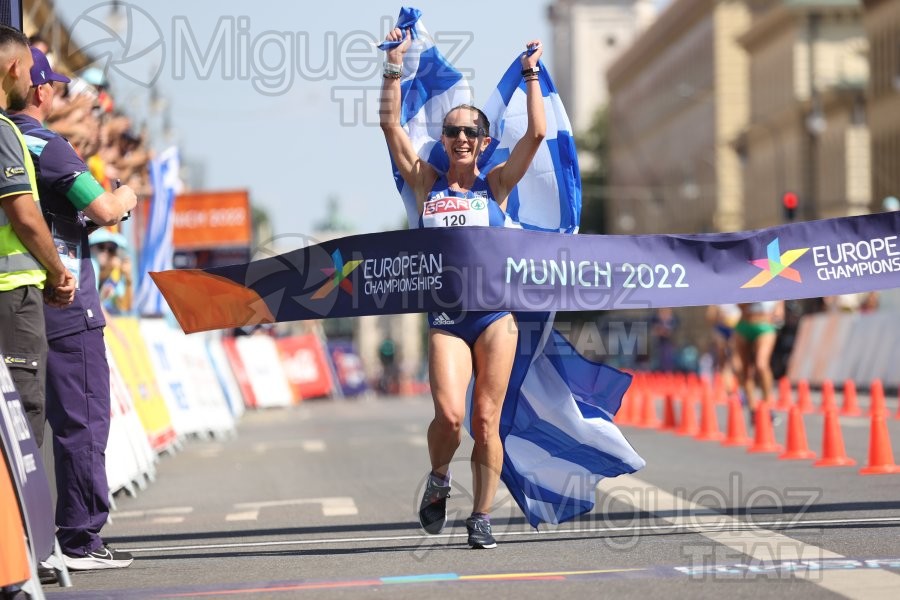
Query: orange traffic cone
point(764, 441)
point(649, 420)
point(669, 423)
point(897, 416)
point(833, 453)
point(797, 446)
point(709, 420)
point(737, 428)
point(876, 393)
point(688, 424)
point(784, 394)
point(803, 399)
point(828, 402)
point(623, 415)
point(720, 393)
point(881, 456)
point(850, 407)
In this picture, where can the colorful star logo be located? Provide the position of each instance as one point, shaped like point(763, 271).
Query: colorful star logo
point(775, 265)
point(340, 272)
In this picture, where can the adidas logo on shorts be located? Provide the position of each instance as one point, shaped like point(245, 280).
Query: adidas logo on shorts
point(442, 319)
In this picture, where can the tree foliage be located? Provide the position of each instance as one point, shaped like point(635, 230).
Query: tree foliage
point(593, 154)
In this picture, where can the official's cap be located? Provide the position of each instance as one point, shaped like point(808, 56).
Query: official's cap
point(41, 72)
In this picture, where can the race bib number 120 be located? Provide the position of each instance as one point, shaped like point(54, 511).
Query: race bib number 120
point(455, 212)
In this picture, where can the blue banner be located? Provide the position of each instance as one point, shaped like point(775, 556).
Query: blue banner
point(348, 367)
point(27, 468)
point(482, 268)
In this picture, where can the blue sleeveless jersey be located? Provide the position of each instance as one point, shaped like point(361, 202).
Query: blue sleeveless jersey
point(465, 325)
point(480, 189)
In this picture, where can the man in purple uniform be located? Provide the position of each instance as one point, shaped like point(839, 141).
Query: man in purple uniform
point(78, 393)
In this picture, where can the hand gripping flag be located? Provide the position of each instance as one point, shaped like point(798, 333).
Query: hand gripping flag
point(556, 423)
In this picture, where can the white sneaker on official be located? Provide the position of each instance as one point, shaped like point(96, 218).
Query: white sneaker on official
point(103, 557)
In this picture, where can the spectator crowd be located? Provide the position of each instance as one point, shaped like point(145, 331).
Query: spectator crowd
point(115, 150)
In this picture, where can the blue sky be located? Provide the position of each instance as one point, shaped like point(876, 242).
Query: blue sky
point(291, 130)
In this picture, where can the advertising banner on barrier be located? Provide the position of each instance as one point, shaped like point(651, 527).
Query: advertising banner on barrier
point(121, 463)
point(838, 346)
point(224, 374)
point(264, 371)
point(123, 338)
point(171, 375)
point(27, 468)
point(489, 268)
point(229, 345)
point(188, 383)
point(129, 459)
point(205, 391)
point(349, 367)
point(305, 365)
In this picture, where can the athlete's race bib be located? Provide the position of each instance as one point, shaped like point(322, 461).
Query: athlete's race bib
point(455, 212)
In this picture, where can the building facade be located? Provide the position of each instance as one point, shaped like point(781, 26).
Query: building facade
point(807, 133)
point(678, 97)
point(882, 23)
point(588, 35)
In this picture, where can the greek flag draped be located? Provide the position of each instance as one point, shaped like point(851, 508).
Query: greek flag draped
point(156, 254)
point(548, 198)
point(559, 439)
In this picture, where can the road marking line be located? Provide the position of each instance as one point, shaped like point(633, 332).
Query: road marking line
point(250, 515)
point(763, 545)
point(587, 532)
point(210, 451)
point(313, 445)
point(168, 520)
point(331, 507)
point(139, 514)
point(307, 445)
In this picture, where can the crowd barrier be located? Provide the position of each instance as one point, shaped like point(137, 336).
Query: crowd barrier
point(26, 509)
point(266, 375)
point(847, 346)
point(165, 387)
point(306, 366)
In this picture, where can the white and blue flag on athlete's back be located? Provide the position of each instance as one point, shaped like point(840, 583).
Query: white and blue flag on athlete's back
point(556, 423)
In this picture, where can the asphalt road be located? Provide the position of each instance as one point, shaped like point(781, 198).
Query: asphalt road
point(319, 501)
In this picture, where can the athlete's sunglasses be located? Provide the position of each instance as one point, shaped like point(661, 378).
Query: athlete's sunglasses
point(452, 131)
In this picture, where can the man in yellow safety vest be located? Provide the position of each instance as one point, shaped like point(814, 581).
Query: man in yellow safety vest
point(29, 261)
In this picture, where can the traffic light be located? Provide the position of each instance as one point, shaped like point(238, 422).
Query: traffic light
point(789, 200)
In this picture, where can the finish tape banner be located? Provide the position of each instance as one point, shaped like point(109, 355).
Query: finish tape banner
point(484, 268)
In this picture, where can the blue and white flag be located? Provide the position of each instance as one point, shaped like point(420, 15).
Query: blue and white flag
point(430, 87)
point(559, 439)
point(548, 197)
point(157, 250)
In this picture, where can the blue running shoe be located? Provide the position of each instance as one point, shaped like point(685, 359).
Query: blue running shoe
point(433, 509)
point(479, 530)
